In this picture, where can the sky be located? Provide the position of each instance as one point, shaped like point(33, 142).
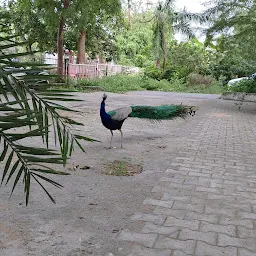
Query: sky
point(191, 5)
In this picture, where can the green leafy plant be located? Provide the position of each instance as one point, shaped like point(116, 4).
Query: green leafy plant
point(29, 110)
point(246, 85)
point(198, 79)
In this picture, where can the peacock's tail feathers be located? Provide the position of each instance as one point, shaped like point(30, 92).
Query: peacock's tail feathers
point(164, 112)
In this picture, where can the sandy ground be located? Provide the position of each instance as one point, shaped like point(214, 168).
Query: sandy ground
point(93, 207)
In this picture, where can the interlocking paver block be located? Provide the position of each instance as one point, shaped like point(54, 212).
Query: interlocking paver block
point(247, 215)
point(169, 243)
point(168, 196)
point(208, 237)
point(157, 219)
point(248, 243)
point(162, 203)
point(172, 221)
point(142, 251)
point(226, 229)
point(157, 229)
point(145, 239)
point(238, 222)
point(246, 233)
point(202, 217)
point(244, 252)
point(220, 211)
point(204, 249)
point(189, 207)
point(180, 214)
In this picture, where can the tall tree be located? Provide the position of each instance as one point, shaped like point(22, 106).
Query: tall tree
point(166, 22)
point(236, 19)
point(62, 21)
point(89, 16)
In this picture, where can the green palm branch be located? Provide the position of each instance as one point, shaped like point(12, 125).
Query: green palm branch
point(30, 110)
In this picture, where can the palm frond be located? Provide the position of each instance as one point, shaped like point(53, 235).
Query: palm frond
point(28, 110)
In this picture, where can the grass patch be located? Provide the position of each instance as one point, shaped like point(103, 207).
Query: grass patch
point(122, 168)
point(125, 83)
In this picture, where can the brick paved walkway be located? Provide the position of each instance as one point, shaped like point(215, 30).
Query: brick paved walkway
point(206, 202)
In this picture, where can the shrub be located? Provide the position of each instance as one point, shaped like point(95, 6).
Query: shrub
point(153, 72)
point(168, 74)
point(247, 85)
point(197, 79)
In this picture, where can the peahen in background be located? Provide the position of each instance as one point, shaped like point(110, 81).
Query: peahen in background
point(113, 120)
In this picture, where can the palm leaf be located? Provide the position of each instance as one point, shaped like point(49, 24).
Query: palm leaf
point(28, 110)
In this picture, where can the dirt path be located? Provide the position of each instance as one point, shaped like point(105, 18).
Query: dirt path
point(93, 207)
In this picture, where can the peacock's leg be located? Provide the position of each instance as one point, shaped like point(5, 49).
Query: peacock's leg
point(111, 139)
point(121, 138)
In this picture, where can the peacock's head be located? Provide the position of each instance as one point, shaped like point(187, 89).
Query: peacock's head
point(104, 96)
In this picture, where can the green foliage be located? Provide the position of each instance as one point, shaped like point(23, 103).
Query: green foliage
point(198, 79)
point(134, 45)
point(153, 72)
point(29, 111)
point(246, 85)
point(124, 83)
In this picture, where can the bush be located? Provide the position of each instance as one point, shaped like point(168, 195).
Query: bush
point(197, 79)
point(168, 74)
point(247, 85)
point(153, 72)
point(125, 83)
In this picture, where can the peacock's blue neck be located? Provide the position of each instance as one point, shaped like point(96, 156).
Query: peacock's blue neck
point(105, 117)
point(102, 108)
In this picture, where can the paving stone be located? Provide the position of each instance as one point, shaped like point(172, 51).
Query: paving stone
point(208, 190)
point(177, 171)
point(245, 232)
point(172, 221)
point(202, 217)
point(244, 252)
point(142, 251)
point(225, 229)
point(237, 222)
point(199, 174)
point(180, 253)
point(198, 200)
point(204, 249)
point(169, 212)
point(160, 189)
point(162, 203)
point(157, 219)
point(172, 232)
point(147, 240)
point(221, 197)
point(208, 237)
point(247, 215)
point(178, 180)
point(168, 196)
point(189, 207)
point(248, 243)
point(220, 211)
point(187, 247)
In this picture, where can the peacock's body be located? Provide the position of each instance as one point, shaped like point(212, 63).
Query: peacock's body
point(113, 120)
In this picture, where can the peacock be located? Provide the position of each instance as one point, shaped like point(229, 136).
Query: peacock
point(113, 120)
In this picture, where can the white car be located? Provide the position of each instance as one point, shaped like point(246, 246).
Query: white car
point(232, 81)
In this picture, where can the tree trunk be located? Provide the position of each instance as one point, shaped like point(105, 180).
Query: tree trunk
point(165, 53)
point(60, 40)
point(81, 48)
point(158, 63)
point(60, 46)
